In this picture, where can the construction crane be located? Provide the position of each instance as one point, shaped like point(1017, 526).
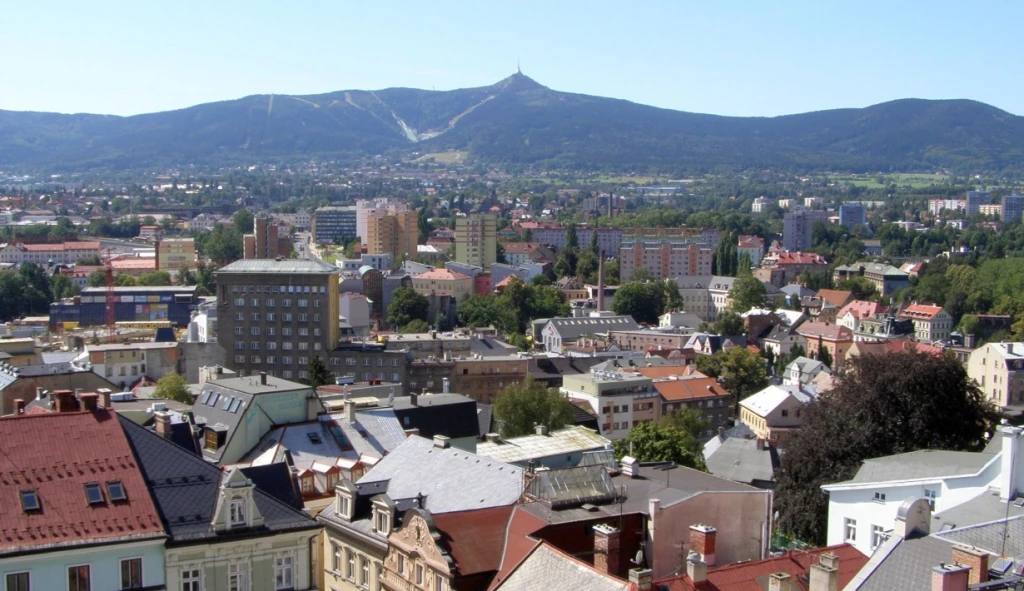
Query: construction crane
point(108, 270)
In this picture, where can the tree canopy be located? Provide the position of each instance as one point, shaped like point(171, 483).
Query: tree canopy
point(520, 407)
point(173, 387)
point(407, 305)
point(319, 375)
point(651, 441)
point(879, 405)
point(646, 301)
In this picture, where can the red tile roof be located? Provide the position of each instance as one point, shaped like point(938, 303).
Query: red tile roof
point(920, 311)
point(474, 538)
point(518, 543)
point(56, 454)
point(134, 264)
point(520, 247)
point(861, 309)
point(63, 246)
point(750, 242)
point(800, 258)
point(825, 330)
point(689, 389)
point(836, 297)
point(441, 275)
point(748, 576)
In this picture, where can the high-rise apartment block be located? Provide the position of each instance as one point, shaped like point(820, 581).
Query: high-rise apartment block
point(798, 228)
point(393, 231)
point(265, 242)
point(975, 199)
point(334, 224)
point(851, 214)
point(664, 260)
point(175, 253)
point(476, 240)
point(1013, 208)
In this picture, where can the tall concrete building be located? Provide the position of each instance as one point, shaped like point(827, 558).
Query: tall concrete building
point(798, 228)
point(665, 260)
point(334, 224)
point(476, 240)
point(1013, 208)
point(975, 199)
point(265, 241)
point(851, 214)
point(392, 232)
point(175, 253)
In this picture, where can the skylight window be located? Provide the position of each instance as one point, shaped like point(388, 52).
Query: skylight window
point(213, 399)
point(227, 402)
point(93, 493)
point(29, 500)
point(204, 397)
point(115, 490)
point(236, 404)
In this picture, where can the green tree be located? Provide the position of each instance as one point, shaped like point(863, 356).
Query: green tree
point(824, 356)
point(880, 405)
point(861, 287)
point(124, 280)
point(562, 266)
point(206, 283)
point(173, 387)
point(407, 305)
point(586, 267)
point(520, 407)
point(12, 294)
point(154, 278)
point(593, 243)
point(572, 241)
point(97, 278)
point(641, 274)
point(319, 375)
point(186, 277)
point(243, 221)
point(743, 373)
point(709, 365)
point(415, 326)
point(661, 442)
point(62, 287)
point(748, 292)
point(729, 323)
point(645, 302)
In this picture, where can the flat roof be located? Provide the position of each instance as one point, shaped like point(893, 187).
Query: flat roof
point(283, 267)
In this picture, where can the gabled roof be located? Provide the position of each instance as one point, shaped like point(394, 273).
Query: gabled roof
point(441, 275)
point(692, 388)
point(185, 489)
point(799, 258)
point(740, 460)
point(925, 463)
point(546, 567)
point(861, 309)
point(836, 297)
point(475, 539)
point(920, 311)
point(767, 400)
point(56, 455)
point(573, 328)
point(826, 330)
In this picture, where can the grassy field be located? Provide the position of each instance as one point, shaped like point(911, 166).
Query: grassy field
point(444, 157)
point(915, 181)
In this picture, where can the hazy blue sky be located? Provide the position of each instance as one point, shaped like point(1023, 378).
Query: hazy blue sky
point(760, 57)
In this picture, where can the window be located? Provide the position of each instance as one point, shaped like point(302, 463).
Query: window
point(335, 557)
point(240, 302)
point(850, 530)
point(190, 580)
point(131, 573)
point(350, 564)
point(283, 572)
point(254, 331)
point(18, 582)
point(238, 577)
point(93, 494)
point(115, 491)
point(879, 497)
point(79, 578)
point(29, 500)
point(271, 317)
point(237, 511)
point(438, 582)
point(876, 536)
point(401, 565)
point(419, 574)
point(364, 571)
point(931, 495)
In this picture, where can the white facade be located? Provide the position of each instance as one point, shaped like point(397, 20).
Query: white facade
point(998, 369)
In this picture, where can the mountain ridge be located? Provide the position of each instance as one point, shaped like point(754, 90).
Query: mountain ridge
point(520, 122)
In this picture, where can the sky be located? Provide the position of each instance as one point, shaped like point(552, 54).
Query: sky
point(729, 57)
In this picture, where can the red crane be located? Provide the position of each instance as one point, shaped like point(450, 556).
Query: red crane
point(111, 299)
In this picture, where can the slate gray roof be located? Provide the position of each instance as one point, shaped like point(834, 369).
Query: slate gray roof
point(449, 479)
point(252, 385)
point(547, 568)
point(902, 564)
point(990, 536)
point(382, 427)
point(573, 328)
point(451, 415)
point(926, 463)
point(740, 460)
point(282, 267)
point(184, 488)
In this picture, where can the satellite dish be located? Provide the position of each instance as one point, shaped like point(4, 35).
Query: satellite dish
point(639, 557)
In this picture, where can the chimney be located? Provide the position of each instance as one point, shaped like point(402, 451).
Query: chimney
point(39, 393)
point(447, 386)
point(493, 438)
point(411, 432)
point(600, 280)
point(630, 466)
point(19, 406)
point(702, 541)
point(540, 429)
point(642, 578)
point(350, 411)
point(950, 577)
point(162, 423)
point(263, 378)
point(105, 398)
point(760, 444)
point(825, 574)
point(414, 399)
point(65, 401)
point(89, 401)
point(442, 442)
point(606, 549)
point(780, 582)
point(976, 559)
point(695, 569)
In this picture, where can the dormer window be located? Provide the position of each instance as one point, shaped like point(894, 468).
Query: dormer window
point(237, 515)
point(29, 501)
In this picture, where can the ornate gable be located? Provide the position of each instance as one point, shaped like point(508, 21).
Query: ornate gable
point(417, 539)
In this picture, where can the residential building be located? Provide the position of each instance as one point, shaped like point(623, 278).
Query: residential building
point(931, 323)
point(608, 239)
point(276, 314)
point(752, 246)
point(645, 340)
point(482, 378)
point(545, 563)
point(476, 240)
point(664, 260)
point(998, 369)
point(203, 326)
point(393, 231)
point(433, 344)
point(937, 206)
point(131, 304)
point(974, 201)
point(852, 214)
point(359, 524)
point(684, 321)
point(619, 400)
point(805, 372)
point(855, 311)
point(442, 282)
point(334, 224)
point(773, 413)
point(887, 279)
point(150, 233)
point(64, 253)
point(992, 209)
point(558, 332)
point(696, 392)
point(781, 340)
point(173, 254)
point(90, 527)
point(266, 241)
point(205, 222)
point(561, 448)
point(798, 228)
point(837, 339)
point(1013, 208)
point(708, 344)
point(125, 364)
point(518, 253)
point(222, 530)
point(737, 455)
point(760, 204)
point(782, 268)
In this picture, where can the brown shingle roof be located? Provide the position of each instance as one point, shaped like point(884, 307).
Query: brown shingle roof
point(474, 538)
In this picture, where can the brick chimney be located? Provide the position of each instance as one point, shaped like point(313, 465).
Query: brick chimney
point(65, 401)
point(642, 578)
point(780, 582)
point(606, 549)
point(825, 574)
point(89, 401)
point(976, 559)
point(950, 577)
point(162, 423)
point(105, 397)
point(702, 541)
point(19, 406)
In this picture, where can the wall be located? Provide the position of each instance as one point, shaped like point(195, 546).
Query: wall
point(48, 571)
point(213, 560)
point(196, 355)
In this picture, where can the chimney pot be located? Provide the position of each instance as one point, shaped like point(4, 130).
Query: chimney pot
point(780, 582)
point(541, 429)
point(411, 432)
point(350, 411)
point(824, 575)
point(65, 401)
point(263, 378)
point(105, 397)
point(89, 401)
point(642, 578)
point(950, 577)
point(696, 569)
point(162, 423)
